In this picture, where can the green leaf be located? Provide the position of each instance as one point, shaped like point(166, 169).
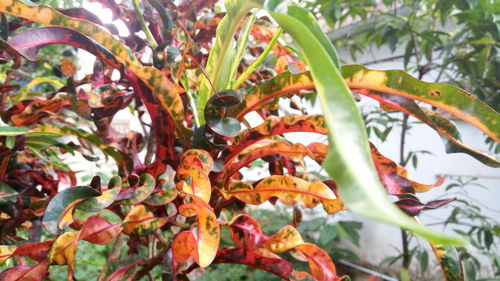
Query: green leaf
point(94, 204)
point(328, 233)
point(241, 45)
point(58, 213)
point(221, 55)
point(142, 191)
point(10, 142)
point(423, 259)
point(349, 150)
point(13, 131)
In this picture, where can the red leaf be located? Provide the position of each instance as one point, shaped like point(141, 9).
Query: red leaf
point(279, 267)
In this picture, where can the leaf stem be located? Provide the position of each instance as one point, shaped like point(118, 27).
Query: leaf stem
point(257, 62)
point(149, 37)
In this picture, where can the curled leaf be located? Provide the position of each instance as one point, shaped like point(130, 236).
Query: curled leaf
point(277, 266)
point(140, 221)
point(446, 97)
point(59, 211)
point(63, 251)
point(288, 190)
point(94, 204)
point(204, 247)
point(142, 190)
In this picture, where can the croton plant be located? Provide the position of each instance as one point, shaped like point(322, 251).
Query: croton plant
point(197, 73)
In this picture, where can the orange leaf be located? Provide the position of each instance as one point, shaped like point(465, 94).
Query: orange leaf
point(64, 250)
point(288, 189)
point(207, 238)
point(140, 221)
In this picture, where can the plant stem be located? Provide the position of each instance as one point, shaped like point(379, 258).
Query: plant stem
point(140, 17)
point(114, 255)
point(257, 62)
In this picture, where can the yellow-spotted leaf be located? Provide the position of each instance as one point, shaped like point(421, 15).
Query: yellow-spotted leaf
point(165, 90)
point(207, 239)
point(59, 211)
point(320, 263)
point(63, 251)
point(449, 98)
point(162, 198)
point(261, 149)
point(94, 204)
point(140, 221)
point(288, 189)
point(193, 180)
point(246, 232)
point(446, 128)
point(6, 252)
point(393, 176)
point(198, 157)
point(260, 95)
point(450, 262)
point(273, 126)
point(142, 191)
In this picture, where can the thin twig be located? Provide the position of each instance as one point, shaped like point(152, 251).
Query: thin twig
point(113, 256)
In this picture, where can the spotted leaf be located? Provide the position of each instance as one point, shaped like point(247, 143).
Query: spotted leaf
point(140, 221)
point(204, 247)
point(108, 196)
point(446, 97)
point(142, 191)
point(288, 189)
point(59, 211)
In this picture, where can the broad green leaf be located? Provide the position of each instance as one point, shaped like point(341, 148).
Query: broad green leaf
point(288, 189)
point(349, 150)
point(59, 211)
point(215, 113)
point(446, 97)
point(94, 204)
point(165, 90)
